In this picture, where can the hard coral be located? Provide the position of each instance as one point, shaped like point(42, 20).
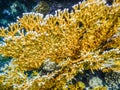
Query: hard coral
point(86, 38)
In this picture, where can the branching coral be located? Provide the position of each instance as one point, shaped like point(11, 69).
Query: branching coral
point(86, 38)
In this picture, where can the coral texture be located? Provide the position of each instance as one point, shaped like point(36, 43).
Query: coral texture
point(86, 38)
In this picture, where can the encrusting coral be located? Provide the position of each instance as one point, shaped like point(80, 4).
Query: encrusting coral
point(86, 38)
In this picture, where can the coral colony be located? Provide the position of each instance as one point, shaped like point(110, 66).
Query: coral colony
point(57, 47)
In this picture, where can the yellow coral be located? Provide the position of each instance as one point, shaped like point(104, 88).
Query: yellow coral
point(75, 41)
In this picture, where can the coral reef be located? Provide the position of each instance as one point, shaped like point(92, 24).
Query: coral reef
point(62, 45)
point(10, 9)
